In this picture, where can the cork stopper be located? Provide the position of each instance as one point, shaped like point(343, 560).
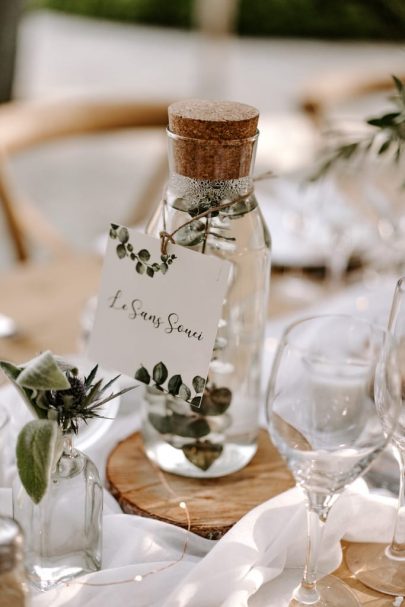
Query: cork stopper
point(212, 139)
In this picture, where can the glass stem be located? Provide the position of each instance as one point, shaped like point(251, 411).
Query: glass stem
point(318, 507)
point(397, 548)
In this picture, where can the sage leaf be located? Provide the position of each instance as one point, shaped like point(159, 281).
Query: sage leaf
point(184, 392)
point(121, 251)
point(142, 375)
point(10, 370)
point(12, 373)
point(123, 235)
point(198, 384)
point(144, 255)
point(140, 268)
point(174, 384)
point(38, 450)
point(160, 374)
point(43, 373)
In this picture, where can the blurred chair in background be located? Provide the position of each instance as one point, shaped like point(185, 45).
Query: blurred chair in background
point(25, 125)
point(10, 11)
point(323, 96)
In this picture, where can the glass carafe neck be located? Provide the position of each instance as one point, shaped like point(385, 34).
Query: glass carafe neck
point(206, 173)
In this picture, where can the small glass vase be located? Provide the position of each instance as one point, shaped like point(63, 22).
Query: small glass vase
point(63, 533)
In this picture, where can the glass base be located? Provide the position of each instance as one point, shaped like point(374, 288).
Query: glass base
point(233, 458)
point(47, 573)
point(373, 566)
point(332, 592)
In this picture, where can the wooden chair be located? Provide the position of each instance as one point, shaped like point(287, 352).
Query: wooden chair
point(26, 124)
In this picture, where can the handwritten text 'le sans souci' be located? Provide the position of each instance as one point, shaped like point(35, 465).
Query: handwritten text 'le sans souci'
point(134, 309)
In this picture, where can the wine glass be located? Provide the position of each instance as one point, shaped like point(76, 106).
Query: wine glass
point(376, 565)
point(333, 402)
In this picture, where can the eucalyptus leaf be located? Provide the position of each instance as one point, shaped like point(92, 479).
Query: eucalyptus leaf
point(196, 401)
point(180, 204)
point(150, 272)
point(142, 375)
point(140, 268)
point(198, 384)
point(201, 207)
point(43, 373)
point(189, 427)
point(240, 208)
point(174, 384)
point(160, 373)
point(191, 234)
point(161, 423)
point(123, 235)
point(214, 402)
point(163, 268)
point(121, 251)
point(144, 255)
point(202, 454)
point(38, 450)
point(184, 392)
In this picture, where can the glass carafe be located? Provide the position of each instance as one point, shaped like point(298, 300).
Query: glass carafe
point(220, 436)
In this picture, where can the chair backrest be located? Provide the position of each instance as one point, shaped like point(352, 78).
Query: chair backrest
point(26, 124)
point(326, 92)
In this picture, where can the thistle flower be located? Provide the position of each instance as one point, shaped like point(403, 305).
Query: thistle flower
point(60, 399)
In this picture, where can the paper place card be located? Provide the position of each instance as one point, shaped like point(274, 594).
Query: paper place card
point(157, 315)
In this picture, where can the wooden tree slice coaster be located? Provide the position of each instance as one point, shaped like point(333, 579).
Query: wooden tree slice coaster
point(215, 505)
